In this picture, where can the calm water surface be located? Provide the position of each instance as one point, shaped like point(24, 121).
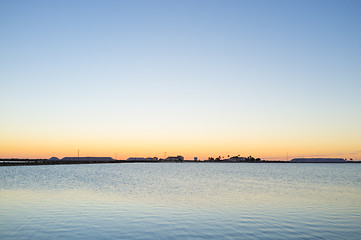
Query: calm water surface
point(181, 201)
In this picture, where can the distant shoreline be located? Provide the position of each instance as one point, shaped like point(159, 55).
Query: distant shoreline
point(32, 162)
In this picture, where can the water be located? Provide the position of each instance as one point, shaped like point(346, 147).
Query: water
point(181, 201)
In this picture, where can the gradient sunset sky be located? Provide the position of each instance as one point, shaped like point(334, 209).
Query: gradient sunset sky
point(192, 78)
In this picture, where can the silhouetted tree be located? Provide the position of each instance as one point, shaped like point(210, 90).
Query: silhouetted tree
point(250, 159)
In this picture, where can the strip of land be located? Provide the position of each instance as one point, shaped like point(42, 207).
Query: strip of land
point(97, 160)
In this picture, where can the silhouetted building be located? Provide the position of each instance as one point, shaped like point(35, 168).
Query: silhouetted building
point(175, 159)
point(88, 159)
point(142, 159)
point(236, 159)
point(318, 160)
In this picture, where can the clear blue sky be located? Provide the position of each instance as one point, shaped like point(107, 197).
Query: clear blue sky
point(197, 78)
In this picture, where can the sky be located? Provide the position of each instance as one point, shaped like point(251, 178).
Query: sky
point(271, 79)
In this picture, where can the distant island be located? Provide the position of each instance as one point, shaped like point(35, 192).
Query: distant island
point(318, 160)
point(175, 159)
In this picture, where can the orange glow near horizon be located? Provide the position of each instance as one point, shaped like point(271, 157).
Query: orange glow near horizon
point(27, 148)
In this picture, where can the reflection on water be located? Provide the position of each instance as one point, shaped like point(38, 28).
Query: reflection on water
point(181, 201)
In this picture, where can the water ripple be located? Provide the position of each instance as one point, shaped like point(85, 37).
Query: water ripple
point(181, 201)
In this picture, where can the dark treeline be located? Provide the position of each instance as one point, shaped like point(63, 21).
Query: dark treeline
point(234, 159)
